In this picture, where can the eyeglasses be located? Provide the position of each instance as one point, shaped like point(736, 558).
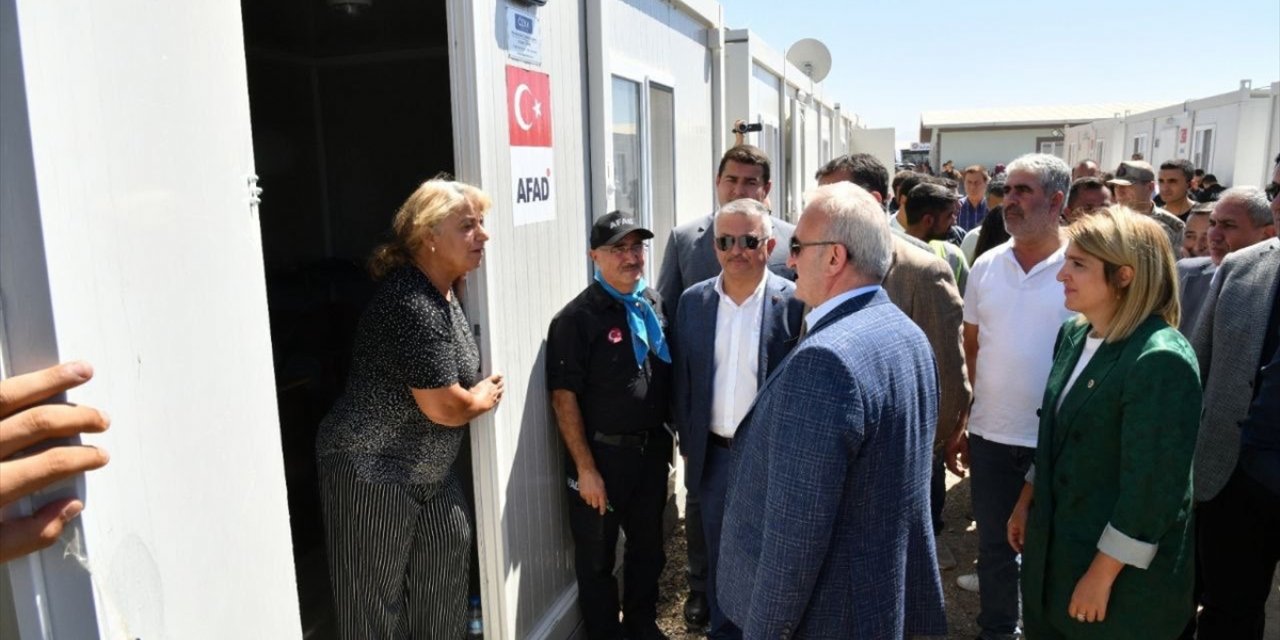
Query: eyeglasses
point(748, 242)
point(797, 246)
point(623, 249)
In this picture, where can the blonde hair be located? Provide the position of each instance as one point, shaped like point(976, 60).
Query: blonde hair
point(433, 201)
point(1120, 237)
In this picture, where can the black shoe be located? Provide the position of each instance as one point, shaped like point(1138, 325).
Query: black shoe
point(696, 611)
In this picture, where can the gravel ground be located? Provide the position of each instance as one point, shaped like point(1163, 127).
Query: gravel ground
point(962, 606)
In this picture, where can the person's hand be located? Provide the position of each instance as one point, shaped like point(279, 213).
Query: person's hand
point(1093, 591)
point(489, 391)
point(957, 454)
point(1017, 526)
point(24, 425)
point(591, 488)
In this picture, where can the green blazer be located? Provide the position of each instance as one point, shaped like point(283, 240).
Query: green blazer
point(1118, 452)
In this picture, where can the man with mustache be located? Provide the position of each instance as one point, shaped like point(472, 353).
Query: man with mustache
point(609, 375)
point(690, 258)
point(731, 332)
point(1013, 307)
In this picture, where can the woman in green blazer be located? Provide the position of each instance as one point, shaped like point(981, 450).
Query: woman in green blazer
point(1104, 521)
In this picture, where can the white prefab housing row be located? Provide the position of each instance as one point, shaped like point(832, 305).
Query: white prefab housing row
point(190, 192)
point(1234, 135)
point(996, 136)
point(801, 127)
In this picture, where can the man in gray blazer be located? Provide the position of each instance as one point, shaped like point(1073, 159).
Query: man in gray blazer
point(690, 258)
point(730, 333)
point(1236, 516)
point(1194, 277)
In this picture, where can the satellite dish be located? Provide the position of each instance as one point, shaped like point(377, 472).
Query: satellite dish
point(812, 57)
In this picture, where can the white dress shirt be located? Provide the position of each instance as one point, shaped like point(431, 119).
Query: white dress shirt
point(737, 357)
point(817, 313)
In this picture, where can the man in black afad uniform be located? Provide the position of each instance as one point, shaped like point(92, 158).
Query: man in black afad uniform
point(609, 375)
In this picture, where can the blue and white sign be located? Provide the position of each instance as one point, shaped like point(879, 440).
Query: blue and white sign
point(523, 41)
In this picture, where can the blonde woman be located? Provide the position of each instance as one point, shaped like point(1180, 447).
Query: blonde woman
point(1104, 521)
point(398, 533)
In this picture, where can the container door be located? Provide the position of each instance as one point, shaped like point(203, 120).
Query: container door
point(129, 237)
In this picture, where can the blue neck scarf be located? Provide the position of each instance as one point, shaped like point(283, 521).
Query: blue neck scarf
point(646, 331)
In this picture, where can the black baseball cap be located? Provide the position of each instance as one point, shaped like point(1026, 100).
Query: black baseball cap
point(614, 226)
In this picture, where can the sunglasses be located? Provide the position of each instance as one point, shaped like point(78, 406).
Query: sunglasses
point(797, 246)
point(748, 242)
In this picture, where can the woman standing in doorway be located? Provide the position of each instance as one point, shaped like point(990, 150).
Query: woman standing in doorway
point(396, 525)
point(1104, 522)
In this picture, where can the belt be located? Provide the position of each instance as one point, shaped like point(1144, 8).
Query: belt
point(640, 439)
point(720, 441)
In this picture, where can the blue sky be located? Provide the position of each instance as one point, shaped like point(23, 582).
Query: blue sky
point(893, 59)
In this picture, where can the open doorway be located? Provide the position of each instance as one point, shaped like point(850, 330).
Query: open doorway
point(350, 107)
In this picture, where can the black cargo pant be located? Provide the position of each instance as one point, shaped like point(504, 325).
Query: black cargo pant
point(635, 481)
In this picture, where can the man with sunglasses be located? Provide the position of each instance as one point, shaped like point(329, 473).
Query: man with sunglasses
point(690, 258)
point(731, 331)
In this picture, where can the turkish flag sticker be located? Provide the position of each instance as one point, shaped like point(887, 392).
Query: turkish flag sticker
point(528, 107)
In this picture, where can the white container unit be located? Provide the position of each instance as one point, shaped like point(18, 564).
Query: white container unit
point(655, 96)
point(132, 236)
point(1226, 135)
point(1231, 135)
point(1101, 141)
point(798, 123)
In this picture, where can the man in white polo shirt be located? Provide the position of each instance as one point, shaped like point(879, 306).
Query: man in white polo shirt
point(1013, 307)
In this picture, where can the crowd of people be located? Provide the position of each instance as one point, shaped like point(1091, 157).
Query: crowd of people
point(1099, 351)
point(815, 439)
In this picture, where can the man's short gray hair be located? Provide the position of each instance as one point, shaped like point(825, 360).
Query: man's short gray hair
point(751, 209)
point(1051, 172)
point(1254, 200)
point(857, 221)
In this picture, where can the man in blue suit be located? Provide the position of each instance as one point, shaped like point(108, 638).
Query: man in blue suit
point(690, 258)
point(731, 331)
point(827, 532)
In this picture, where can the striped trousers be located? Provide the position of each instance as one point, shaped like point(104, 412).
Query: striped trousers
point(399, 555)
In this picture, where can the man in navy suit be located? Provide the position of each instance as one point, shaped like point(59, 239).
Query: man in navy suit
point(827, 532)
point(690, 258)
point(731, 331)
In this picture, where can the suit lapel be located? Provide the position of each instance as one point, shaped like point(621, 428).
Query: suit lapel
point(848, 307)
point(1250, 310)
point(711, 306)
point(1092, 378)
point(773, 297)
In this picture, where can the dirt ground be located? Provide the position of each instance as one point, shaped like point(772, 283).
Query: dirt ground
point(962, 606)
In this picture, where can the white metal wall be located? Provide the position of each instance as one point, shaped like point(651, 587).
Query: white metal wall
point(1252, 160)
point(987, 147)
point(657, 39)
point(129, 239)
point(530, 272)
point(1225, 121)
point(1135, 126)
point(877, 142)
point(765, 105)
